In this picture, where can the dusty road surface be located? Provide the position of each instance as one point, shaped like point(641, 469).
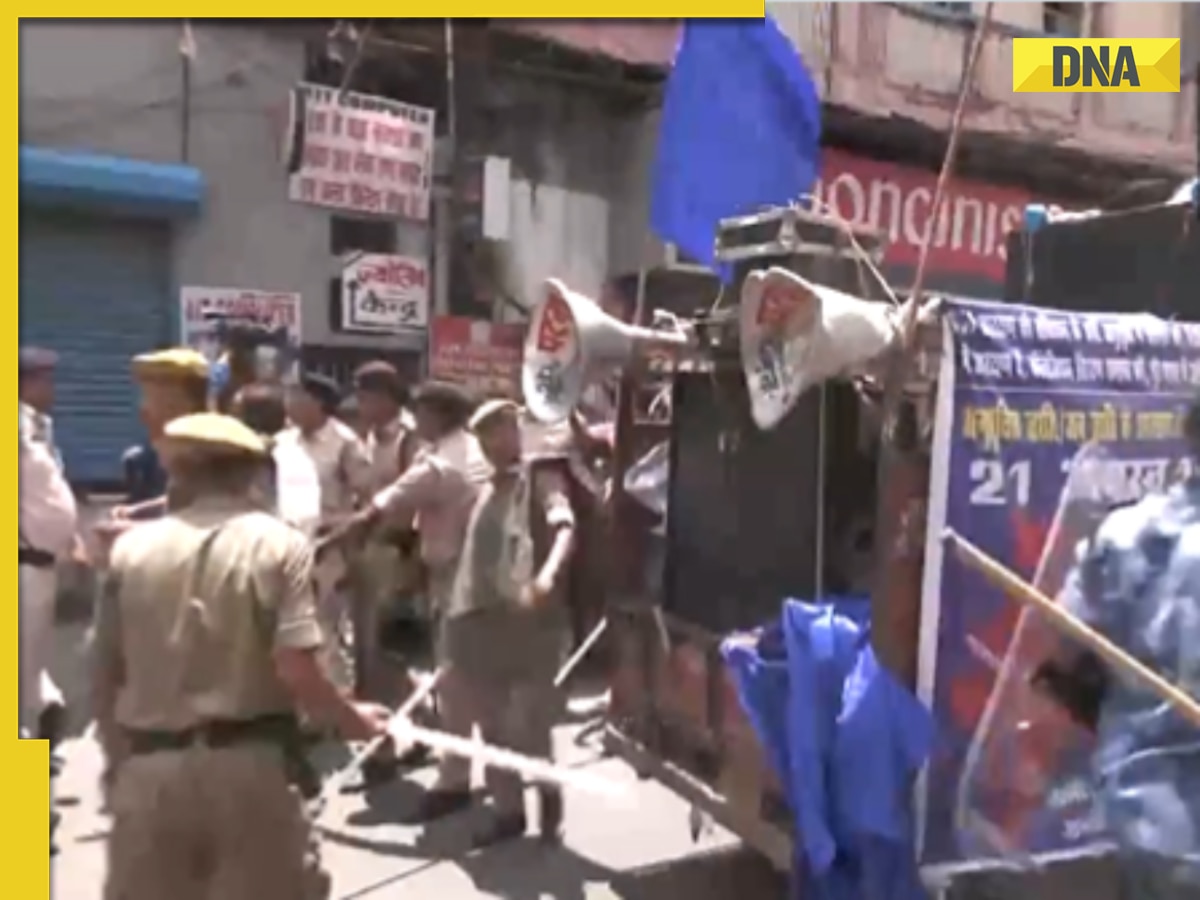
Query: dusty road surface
point(637, 849)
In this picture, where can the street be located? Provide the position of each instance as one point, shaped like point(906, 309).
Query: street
point(633, 848)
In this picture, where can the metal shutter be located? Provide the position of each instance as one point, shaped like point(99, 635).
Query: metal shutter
point(96, 291)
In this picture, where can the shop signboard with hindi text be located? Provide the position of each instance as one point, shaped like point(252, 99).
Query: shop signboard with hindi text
point(385, 294)
point(1046, 420)
point(361, 154)
point(482, 355)
point(204, 313)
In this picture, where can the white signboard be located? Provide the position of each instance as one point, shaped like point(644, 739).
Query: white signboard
point(362, 154)
point(385, 294)
point(204, 311)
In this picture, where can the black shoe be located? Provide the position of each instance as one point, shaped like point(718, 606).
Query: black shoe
point(415, 757)
point(51, 724)
point(378, 771)
point(438, 804)
point(550, 815)
point(499, 830)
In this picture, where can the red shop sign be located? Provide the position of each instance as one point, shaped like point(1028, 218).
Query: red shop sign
point(970, 235)
point(484, 356)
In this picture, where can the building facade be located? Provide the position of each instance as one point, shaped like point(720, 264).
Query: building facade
point(889, 75)
point(147, 172)
point(146, 169)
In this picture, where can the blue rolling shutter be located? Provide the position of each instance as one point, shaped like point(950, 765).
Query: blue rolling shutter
point(96, 290)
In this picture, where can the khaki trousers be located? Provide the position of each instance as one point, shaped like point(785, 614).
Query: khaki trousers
point(500, 676)
point(206, 824)
point(36, 596)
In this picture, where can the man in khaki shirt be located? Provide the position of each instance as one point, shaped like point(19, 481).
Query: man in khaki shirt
point(344, 471)
point(204, 647)
point(506, 623)
point(436, 494)
point(388, 568)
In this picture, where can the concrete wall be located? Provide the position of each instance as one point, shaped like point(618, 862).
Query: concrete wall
point(562, 141)
point(116, 88)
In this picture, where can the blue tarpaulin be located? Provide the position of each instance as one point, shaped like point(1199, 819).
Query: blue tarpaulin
point(846, 740)
point(741, 130)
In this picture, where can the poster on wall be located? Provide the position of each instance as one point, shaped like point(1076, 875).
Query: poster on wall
point(384, 294)
point(360, 153)
point(1046, 420)
point(206, 311)
point(484, 356)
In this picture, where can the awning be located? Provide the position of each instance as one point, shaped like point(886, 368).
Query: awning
point(64, 178)
point(647, 43)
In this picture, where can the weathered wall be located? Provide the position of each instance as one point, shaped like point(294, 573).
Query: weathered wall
point(562, 141)
point(116, 88)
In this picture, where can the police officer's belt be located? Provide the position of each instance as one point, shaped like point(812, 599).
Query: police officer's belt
point(37, 559)
point(217, 734)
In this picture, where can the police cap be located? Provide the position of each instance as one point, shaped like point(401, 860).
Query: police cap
point(212, 433)
point(31, 360)
point(489, 410)
point(175, 362)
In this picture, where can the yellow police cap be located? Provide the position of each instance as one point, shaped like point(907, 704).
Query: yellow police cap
point(488, 409)
point(214, 432)
point(173, 363)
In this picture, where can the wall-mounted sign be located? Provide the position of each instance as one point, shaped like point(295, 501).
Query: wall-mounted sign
point(485, 356)
point(385, 294)
point(204, 312)
point(360, 153)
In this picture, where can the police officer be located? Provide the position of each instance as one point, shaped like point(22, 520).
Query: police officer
point(506, 625)
point(204, 649)
point(171, 383)
point(1137, 582)
point(344, 471)
point(47, 533)
point(387, 567)
point(436, 493)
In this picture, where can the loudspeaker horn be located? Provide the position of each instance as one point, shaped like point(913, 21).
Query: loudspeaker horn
point(572, 343)
point(796, 334)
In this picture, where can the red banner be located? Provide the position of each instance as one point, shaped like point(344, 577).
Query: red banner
point(483, 355)
point(897, 200)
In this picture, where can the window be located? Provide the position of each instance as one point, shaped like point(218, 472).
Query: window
point(361, 235)
point(1063, 19)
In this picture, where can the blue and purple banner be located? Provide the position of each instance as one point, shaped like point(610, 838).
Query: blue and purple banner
point(1045, 421)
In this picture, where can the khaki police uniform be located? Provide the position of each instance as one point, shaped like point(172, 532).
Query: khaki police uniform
point(502, 657)
point(200, 730)
point(384, 573)
point(344, 472)
point(437, 493)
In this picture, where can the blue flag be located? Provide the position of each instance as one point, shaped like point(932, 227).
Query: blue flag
point(741, 129)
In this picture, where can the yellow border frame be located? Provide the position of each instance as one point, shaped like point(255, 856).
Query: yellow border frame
point(25, 764)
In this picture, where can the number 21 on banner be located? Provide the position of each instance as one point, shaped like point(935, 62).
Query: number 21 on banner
point(994, 484)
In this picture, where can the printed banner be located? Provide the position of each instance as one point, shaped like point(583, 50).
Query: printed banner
point(1046, 421)
point(361, 153)
point(385, 294)
point(483, 355)
point(205, 311)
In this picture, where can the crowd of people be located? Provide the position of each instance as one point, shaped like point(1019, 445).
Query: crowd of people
point(278, 574)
